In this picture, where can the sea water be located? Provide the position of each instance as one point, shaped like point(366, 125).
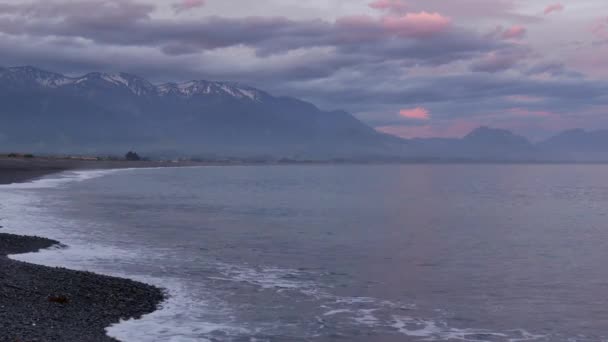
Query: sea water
point(337, 252)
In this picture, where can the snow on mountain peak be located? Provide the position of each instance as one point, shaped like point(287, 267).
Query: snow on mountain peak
point(134, 84)
point(193, 88)
point(117, 79)
point(41, 77)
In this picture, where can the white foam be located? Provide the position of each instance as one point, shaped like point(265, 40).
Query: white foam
point(336, 312)
point(430, 330)
point(179, 318)
point(182, 317)
point(355, 300)
point(265, 277)
point(25, 211)
point(79, 256)
point(62, 178)
point(366, 317)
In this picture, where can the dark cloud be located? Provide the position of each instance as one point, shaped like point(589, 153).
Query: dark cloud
point(501, 60)
point(495, 62)
point(553, 69)
point(463, 95)
point(348, 42)
point(127, 23)
point(373, 66)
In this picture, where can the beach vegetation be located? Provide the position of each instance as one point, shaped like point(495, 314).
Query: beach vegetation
point(132, 156)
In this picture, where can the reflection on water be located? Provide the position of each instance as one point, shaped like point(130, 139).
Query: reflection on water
point(354, 253)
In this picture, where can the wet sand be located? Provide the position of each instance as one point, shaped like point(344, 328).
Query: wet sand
point(13, 170)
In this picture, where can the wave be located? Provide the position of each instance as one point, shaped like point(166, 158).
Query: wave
point(431, 330)
point(62, 178)
point(202, 314)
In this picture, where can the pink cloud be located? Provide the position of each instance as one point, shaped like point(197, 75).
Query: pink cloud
point(398, 6)
point(418, 113)
point(470, 9)
point(594, 65)
point(186, 5)
point(455, 129)
point(410, 25)
point(514, 33)
point(419, 25)
point(554, 8)
point(600, 28)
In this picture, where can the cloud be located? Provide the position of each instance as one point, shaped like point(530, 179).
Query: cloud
point(600, 28)
point(552, 69)
point(524, 98)
point(395, 6)
point(431, 55)
point(187, 5)
point(417, 37)
point(496, 61)
point(528, 112)
point(125, 22)
point(91, 13)
point(514, 33)
point(449, 96)
point(475, 10)
point(554, 8)
point(418, 113)
point(421, 24)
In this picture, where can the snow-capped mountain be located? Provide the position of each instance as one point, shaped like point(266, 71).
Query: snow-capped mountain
point(194, 88)
point(32, 76)
point(134, 84)
point(42, 111)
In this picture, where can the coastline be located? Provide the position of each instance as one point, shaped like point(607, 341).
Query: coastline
point(39, 303)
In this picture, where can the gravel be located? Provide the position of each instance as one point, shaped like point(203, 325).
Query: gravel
point(40, 303)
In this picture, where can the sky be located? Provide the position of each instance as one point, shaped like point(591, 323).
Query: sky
point(413, 68)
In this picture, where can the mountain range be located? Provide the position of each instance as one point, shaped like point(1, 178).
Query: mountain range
point(500, 145)
point(43, 111)
point(109, 113)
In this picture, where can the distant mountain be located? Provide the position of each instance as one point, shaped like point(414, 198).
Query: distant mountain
point(43, 111)
point(577, 144)
point(482, 144)
point(110, 113)
point(496, 138)
point(497, 144)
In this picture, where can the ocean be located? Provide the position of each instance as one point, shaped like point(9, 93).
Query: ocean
point(337, 252)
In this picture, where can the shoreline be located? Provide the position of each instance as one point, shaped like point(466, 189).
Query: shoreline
point(40, 303)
